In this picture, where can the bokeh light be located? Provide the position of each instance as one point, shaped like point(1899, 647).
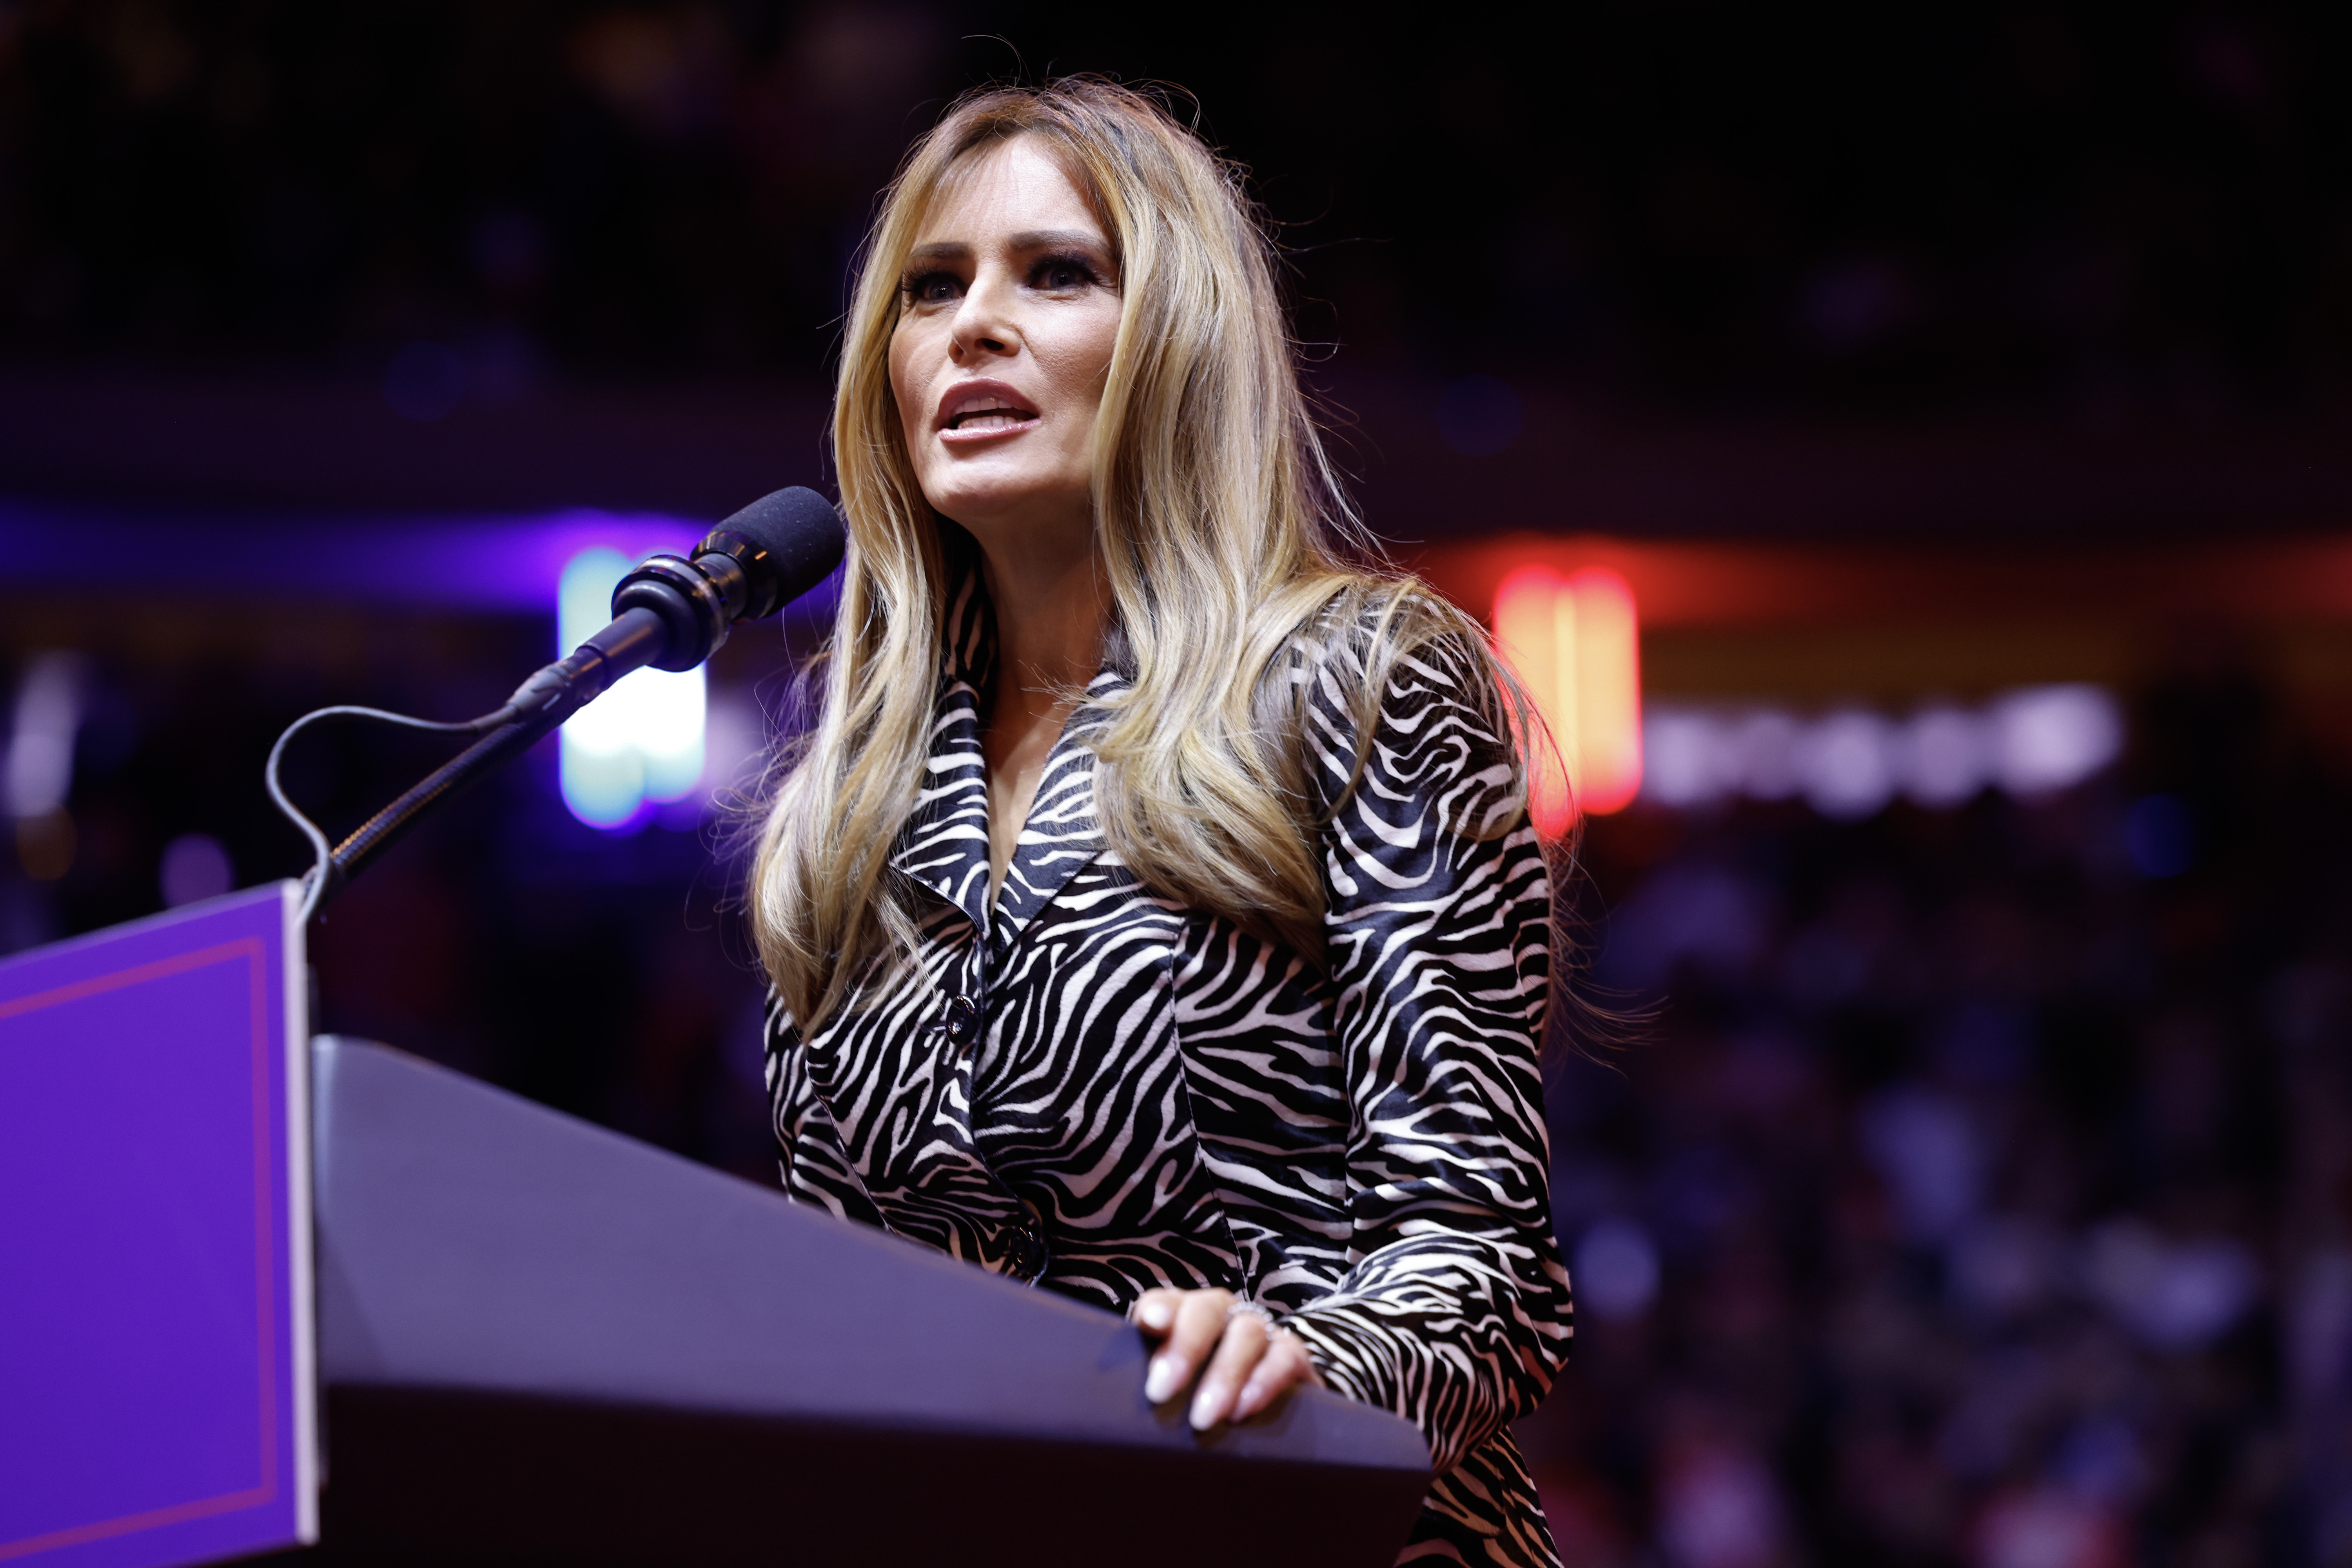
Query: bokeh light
point(1574, 643)
point(642, 741)
point(1851, 761)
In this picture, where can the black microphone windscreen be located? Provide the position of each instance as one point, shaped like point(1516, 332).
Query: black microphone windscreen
point(801, 534)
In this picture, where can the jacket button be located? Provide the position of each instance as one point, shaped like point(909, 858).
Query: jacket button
point(963, 1017)
point(1030, 1255)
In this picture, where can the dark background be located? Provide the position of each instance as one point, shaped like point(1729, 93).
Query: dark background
point(2100, 251)
point(2070, 213)
point(1996, 277)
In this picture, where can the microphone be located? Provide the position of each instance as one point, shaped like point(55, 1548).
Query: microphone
point(674, 611)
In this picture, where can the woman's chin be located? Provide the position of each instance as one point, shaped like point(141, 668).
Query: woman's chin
point(986, 502)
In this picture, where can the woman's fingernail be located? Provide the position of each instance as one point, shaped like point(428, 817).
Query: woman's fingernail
point(1204, 1406)
point(1154, 1315)
point(1161, 1381)
point(1245, 1406)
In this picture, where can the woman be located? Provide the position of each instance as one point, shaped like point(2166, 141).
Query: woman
point(1152, 914)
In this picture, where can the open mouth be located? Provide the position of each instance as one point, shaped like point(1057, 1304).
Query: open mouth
point(984, 408)
point(998, 417)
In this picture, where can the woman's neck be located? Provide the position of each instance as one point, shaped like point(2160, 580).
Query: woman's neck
point(1052, 606)
point(1051, 609)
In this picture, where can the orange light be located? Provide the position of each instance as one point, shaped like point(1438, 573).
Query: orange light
point(1574, 643)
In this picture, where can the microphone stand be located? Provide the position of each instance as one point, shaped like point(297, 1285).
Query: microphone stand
point(543, 703)
point(380, 832)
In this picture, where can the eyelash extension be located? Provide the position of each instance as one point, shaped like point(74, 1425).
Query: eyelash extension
point(1077, 263)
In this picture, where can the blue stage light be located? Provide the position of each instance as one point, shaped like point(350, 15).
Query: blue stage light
point(642, 741)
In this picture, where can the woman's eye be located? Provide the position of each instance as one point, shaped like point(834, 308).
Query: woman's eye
point(1061, 274)
point(931, 288)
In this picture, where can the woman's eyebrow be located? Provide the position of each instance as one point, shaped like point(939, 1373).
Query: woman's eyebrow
point(1049, 238)
point(1026, 240)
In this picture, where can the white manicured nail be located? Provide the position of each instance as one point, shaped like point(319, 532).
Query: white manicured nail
point(1161, 1381)
point(1203, 1409)
point(1155, 1315)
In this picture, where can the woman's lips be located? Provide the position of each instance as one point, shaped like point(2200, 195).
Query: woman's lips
point(983, 410)
point(988, 426)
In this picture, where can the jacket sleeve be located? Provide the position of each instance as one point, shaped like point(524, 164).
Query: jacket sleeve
point(1454, 1311)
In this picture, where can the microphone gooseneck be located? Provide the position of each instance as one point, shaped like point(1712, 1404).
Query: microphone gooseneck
point(672, 613)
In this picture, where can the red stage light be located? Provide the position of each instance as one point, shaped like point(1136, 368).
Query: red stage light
point(1574, 643)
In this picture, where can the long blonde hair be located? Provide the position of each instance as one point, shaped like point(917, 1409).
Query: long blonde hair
point(1231, 553)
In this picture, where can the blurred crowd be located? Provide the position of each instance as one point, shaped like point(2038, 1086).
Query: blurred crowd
point(1977, 1185)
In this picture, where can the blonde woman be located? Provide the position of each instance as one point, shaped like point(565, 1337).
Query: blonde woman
point(1152, 914)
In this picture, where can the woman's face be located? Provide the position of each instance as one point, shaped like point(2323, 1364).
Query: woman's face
point(1008, 311)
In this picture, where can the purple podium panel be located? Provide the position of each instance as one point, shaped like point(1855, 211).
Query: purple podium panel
point(156, 1386)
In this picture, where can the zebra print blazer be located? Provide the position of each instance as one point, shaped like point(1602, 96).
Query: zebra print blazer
point(1101, 1092)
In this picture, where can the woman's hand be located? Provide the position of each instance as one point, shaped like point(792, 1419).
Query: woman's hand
point(1254, 1362)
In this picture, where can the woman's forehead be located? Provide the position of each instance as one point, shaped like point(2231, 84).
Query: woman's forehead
point(1018, 184)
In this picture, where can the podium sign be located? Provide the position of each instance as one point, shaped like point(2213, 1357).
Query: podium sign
point(157, 1387)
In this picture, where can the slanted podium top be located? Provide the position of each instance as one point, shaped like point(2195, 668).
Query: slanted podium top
point(471, 1240)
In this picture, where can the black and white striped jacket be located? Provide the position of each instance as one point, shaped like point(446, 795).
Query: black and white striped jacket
point(1108, 1091)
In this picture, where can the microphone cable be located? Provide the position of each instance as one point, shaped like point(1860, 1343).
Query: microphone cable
point(314, 884)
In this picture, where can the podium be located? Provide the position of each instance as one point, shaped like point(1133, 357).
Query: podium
point(537, 1340)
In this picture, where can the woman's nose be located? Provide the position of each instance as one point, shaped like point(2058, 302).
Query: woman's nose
point(983, 324)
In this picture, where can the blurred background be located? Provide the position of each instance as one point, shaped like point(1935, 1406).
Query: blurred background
point(1905, 448)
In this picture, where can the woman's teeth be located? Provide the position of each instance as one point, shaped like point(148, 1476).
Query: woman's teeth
point(990, 419)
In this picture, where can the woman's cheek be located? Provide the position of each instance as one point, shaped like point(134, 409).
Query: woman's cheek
point(906, 384)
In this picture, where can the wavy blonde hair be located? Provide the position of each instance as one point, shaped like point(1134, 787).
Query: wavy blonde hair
point(1232, 556)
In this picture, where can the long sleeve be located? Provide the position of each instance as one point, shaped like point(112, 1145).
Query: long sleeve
point(1454, 1311)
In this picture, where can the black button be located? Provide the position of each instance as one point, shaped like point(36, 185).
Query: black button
point(963, 1016)
point(1029, 1255)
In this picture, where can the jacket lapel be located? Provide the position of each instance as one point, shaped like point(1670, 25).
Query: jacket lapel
point(1063, 831)
point(944, 845)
